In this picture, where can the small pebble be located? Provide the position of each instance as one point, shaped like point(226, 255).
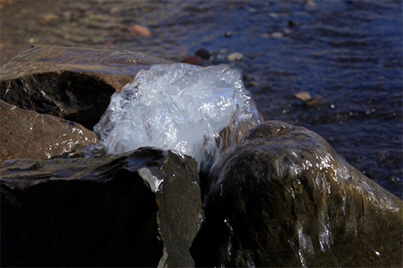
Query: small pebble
point(304, 96)
point(228, 34)
point(315, 101)
point(287, 31)
point(235, 56)
point(137, 29)
point(253, 84)
point(195, 60)
point(277, 35)
point(291, 23)
point(203, 53)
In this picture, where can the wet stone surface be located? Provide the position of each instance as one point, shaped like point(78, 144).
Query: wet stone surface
point(136, 209)
point(69, 82)
point(281, 197)
point(28, 134)
point(284, 197)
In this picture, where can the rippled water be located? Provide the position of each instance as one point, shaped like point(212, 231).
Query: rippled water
point(348, 52)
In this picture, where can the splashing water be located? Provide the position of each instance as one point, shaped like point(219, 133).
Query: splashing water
point(180, 107)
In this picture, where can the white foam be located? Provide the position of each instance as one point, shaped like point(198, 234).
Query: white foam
point(176, 106)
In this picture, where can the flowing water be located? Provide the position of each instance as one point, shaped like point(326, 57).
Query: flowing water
point(347, 54)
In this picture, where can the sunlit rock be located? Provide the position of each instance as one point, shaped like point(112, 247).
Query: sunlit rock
point(197, 111)
point(138, 209)
point(69, 82)
point(284, 197)
point(28, 134)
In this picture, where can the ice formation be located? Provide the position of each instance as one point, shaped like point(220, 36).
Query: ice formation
point(180, 107)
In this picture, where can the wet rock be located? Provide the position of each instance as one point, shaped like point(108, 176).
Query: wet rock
point(69, 82)
point(284, 197)
point(180, 211)
point(28, 134)
point(141, 208)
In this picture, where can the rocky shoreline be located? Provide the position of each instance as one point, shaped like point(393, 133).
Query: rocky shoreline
point(281, 197)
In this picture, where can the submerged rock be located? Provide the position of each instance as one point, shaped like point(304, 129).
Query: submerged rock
point(28, 134)
point(141, 208)
point(197, 111)
point(284, 197)
point(69, 82)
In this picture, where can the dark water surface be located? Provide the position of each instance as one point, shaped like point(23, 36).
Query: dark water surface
point(346, 54)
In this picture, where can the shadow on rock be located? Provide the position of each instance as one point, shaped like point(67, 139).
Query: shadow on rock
point(140, 208)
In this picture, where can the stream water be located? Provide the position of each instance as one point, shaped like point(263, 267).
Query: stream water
point(347, 54)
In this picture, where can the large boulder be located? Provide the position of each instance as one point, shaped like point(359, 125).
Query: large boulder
point(284, 197)
point(69, 82)
point(141, 208)
point(28, 134)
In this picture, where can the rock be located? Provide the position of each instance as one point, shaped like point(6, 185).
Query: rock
point(291, 23)
point(304, 96)
point(228, 34)
point(235, 56)
point(194, 60)
point(180, 210)
point(310, 101)
point(277, 35)
point(284, 197)
point(203, 53)
point(315, 101)
point(28, 134)
point(136, 30)
point(69, 82)
point(141, 208)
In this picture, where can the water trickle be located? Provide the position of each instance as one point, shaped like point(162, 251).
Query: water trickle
point(180, 107)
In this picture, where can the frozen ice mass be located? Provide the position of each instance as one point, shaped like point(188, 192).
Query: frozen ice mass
point(180, 107)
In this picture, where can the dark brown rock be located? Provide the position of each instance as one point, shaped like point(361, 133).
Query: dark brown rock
point(180, 211)
point(28, 134)
point(141, 208)
point(69, 82)
point(284, 197)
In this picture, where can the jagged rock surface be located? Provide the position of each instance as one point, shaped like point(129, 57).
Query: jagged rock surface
point(69, 82)
point(284, 197)
point(140, 208)
point(28, 134)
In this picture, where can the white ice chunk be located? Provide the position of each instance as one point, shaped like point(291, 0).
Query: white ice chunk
point(177, 106)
